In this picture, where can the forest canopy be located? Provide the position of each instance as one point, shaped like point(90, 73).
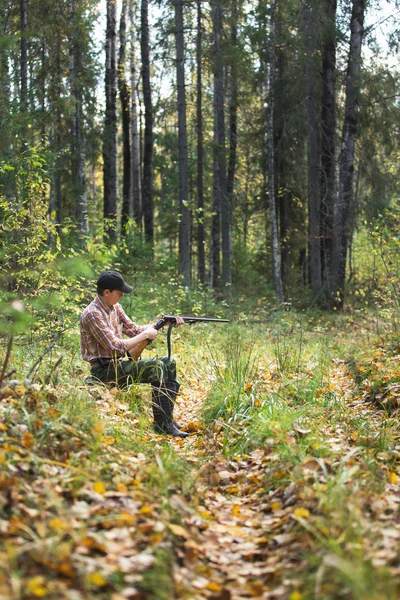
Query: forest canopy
point(251, 145)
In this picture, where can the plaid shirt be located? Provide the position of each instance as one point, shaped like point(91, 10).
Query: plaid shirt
point(102, 327)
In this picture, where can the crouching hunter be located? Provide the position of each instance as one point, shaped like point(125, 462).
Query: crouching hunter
point(102, 324)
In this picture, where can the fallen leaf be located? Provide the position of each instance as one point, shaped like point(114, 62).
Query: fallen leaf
point(301, 512)
point(28, 440)
point(178, 530)
point(99, 487)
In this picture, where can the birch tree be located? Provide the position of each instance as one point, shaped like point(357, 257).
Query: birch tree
point(124, 95)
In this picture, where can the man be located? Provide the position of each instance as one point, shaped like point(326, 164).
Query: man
point(102, 324)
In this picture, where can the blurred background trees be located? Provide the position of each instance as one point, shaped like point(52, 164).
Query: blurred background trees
point(251, 143)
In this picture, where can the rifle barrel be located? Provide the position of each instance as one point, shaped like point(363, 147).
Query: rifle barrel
point(196, 319)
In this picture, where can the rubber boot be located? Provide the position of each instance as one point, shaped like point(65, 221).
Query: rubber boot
point(173, 389)
point(163, 406)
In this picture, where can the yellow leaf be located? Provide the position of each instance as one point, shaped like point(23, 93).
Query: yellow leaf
point(19, 390)
point(205, 514)
point(27, 440)
point(145, 510)
point(236, 511)
point(121, 487)
point(3, 458)
point(96, 578)
point(302, 512)
point(213, 586)
point(53, 412)
point(58, 525)
point(108, 440)
point(178, 530)
point(276, 506)
point(127, 518)
point(262, 541)
point(36, 586)
point(233, 490)
point(99, 487)
point(393, 477)
point(296, 596)
point(3, 427)
point(98, 430)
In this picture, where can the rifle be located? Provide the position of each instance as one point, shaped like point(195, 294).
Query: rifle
point(171, 320)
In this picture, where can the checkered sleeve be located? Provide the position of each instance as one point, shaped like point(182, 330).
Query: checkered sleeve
point(128, 327)
point(103, 334)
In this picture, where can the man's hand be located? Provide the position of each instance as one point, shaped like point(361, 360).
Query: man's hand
point(179, 322)
point(150, 333)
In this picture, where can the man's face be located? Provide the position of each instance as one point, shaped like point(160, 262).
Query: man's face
point(111, 298)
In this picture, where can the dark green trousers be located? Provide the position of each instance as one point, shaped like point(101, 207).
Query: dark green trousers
point(156, 371)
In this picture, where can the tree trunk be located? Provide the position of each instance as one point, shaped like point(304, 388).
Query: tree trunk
point(233, 107)
point(281, 187)
point(136, 184)
point(313, 159)
point(328, 137)
point(127, 203)
point(57, 165)
point(276, 258)
point(110, 129)
point(346, 167)
point(5, 97)
point(201, 263)
point(184, 223)
point(147, 191)
point(24, 74)
point(220, 198)
point(77, 152)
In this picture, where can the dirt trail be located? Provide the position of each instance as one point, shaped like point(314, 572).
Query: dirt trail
point(245, 541)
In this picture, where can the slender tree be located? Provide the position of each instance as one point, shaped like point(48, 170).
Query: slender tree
point(270, 142)
point(347, 156)
point(313, 154)
point(184, 222)
point(221, 212)
point(136, 184)
point(147, 186)
point(24, 72)
point(110, 128)
point(328, 136)
point(5, 92)
point(233, 109)
point(201, 266)
point(77, 151)
point(124, 94)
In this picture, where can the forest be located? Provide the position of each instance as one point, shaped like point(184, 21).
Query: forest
point(235, 160)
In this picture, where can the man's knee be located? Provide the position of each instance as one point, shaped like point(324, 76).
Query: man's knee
point(169, 368)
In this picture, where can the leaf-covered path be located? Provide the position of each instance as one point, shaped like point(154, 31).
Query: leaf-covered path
point(248, 540)
point(95, 505)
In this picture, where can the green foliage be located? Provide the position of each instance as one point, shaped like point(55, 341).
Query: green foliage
point(25, 226)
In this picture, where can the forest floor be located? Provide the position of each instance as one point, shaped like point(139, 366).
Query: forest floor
point(287, 488)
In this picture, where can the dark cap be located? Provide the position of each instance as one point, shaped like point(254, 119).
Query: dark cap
point(111, 280)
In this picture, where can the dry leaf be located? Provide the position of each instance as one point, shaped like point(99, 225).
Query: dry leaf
point(179, 530)
point(28, 440)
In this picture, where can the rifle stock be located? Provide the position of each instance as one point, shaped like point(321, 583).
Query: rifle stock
point(137, 350)
point(170, 319)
